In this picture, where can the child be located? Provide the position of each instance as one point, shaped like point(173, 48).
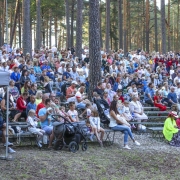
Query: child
point(49, 117)
point(87, 111)
point(32, 126)
point(95, 124)
point(73, 114)
point(127, 113)
point(90, 130)
point(63, 113)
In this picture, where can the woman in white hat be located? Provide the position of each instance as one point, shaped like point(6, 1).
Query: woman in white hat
point(171, 131)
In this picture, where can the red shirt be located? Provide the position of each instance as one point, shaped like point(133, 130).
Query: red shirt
point(39, 106)
point(178, 123)
point(121, 98)
point(21, 104)
point(156, 60)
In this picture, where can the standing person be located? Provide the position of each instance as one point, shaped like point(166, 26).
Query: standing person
point(43, 116)
point(117, 124)
point(157, 101)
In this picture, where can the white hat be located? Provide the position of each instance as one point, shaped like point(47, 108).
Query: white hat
point(174, 114)
point(74, 82)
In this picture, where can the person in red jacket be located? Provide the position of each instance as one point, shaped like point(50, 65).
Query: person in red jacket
point(21, 104)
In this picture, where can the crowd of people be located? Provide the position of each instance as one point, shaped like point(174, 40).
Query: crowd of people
point(39, 82)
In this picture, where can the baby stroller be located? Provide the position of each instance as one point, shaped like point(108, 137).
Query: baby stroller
point(68, 135)
point(103, 112)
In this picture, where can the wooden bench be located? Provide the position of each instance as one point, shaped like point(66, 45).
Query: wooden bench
point(156, 132)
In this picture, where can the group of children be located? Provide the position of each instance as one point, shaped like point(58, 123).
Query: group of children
point(92, 122)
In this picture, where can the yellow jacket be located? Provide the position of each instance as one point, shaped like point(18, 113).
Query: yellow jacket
point(169, 129)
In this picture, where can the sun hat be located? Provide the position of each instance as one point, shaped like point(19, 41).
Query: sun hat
point(174, 114)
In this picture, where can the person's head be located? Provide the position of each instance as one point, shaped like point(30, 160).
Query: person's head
point(113, 107)
point(72, 106)
point(105, 94)
point(34, 86)
point(52, 96)
point(46, 79)
point(115, 97)
point(173, 115)
point(95, 113)
point(31, 113)
point(25, 95)
point(44, 97)
point(134, 89)
point(82, 89)
point(47, 102)
point(126, 103)
point(11, 83)
point(172, 88)
point(32, 99)
point(119, 92)
point(62, 108)
point(38, 94)
point(24, 73)
point(99, 85)
point(73, 84)
point(151, 85)
point(88, 105)
point(134, 98)
point(56, 101)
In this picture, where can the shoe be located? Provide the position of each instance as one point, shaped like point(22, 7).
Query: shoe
point(91, 138)
point(126, 147)
point(137, 143)
point(10, 150)
point(101, 143)
point(39, 144)
point(9, 144)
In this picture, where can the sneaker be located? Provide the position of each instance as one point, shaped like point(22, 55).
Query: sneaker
point(10, 150)
point(91, 137)
point(39, 144)
point(9, 144)
point(137, 143)
point(126, 147)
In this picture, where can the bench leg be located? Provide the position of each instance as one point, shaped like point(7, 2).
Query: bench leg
point(108, 138)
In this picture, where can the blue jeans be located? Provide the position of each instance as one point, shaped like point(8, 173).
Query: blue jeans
point(81, 105)
point(126, 130)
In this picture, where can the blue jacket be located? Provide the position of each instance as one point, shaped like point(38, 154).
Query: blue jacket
point(15, 76)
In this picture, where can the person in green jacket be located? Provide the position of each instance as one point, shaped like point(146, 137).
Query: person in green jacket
point(171, 131)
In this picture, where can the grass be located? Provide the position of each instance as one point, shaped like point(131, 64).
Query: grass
point(109, 163)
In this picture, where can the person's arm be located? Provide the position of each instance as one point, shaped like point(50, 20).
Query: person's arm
point(112, 113)
point(3, 105)
point(42, 116)
point(91, 121)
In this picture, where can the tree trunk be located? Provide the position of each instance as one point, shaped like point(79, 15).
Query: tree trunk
point(94, 46)
point(55, 28)
point(169, 27)
point(163, 27)
point(26, 28)
point(38, 24)
point(72, 23)
point(15, 20)
point(50, 29)
point(19, 25)
point(107, 25)
point(47, 33)
point(120, 24)
point(177, 42)
point(3, 21)
point(147, 25)
point(125, 25)
point(155, 26)
point(79, 20)
point(101, 40)
point(68, 37)
point(143, 26)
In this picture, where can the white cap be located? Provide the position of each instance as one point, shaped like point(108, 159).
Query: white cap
point(74, 82)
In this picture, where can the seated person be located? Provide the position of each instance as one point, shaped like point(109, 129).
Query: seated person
point(32, 122)
point(73, 114)
point(95, 124)
point(172, 97)
point(136, 109)
point(71, 91)
point(45, 123)
point(149, 94)
point(157, 101)
point(171, 131)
